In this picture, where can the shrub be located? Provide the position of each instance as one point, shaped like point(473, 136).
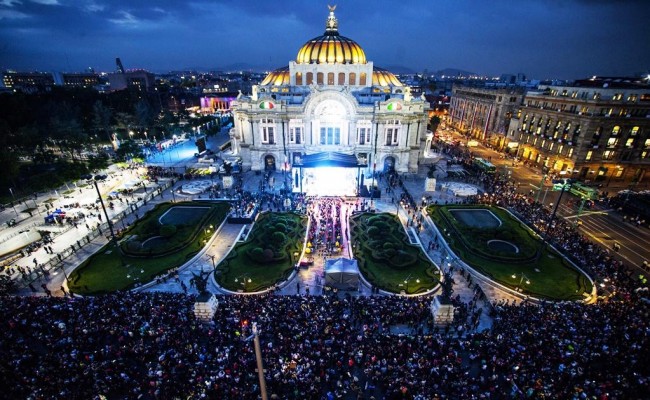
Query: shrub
point(374, 232)
point(133, 245)
point(257, 254)
point(268, 255)
point(278, 238)
point(167, 230)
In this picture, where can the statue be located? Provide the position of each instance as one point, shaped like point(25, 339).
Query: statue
point(331, 8)
point(200, 280)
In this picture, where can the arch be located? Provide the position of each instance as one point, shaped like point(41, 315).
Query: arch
point(352, 80)
point(330, 78)
point(310, 78)
point(299, 78)
point(319, 78)
point(362, 79)
point(269, 162)
point(341, 81)
point(389, 163)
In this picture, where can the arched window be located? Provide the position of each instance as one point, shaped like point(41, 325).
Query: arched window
point(341, 78)
point(299, 78)
point(319, 78)
point(330, 78)
point(362, 79)
point(310, 78)
point(353, 79)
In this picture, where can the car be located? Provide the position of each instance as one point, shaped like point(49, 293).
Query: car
point(101, 177)
point(86, 176)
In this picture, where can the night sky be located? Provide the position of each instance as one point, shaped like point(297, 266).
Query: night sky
point(544, 39)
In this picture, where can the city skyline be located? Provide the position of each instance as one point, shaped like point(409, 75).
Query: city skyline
point(543, 39)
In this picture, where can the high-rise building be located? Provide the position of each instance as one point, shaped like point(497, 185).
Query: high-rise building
point(330, 104)
point(595, 129)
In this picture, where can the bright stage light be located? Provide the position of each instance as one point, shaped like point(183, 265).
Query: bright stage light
point(329, 181)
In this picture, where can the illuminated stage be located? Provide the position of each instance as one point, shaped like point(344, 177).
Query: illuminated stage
point(327, 174)
point(328, 181)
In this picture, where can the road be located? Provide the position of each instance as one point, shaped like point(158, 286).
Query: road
point(599, 223)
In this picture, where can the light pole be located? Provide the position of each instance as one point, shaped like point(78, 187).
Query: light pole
point(407, 280)
point(258, 358)
point(521, 280)
point(101, 201)
point(243, 280)
point(13, 203)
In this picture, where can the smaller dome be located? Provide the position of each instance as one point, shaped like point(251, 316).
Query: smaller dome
point(279, 77)
point(382, 77)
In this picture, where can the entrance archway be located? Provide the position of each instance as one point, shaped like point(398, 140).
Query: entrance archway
point(269, 163)
point(389, 164)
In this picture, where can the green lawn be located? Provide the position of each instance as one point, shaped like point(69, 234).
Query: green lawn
point(119, 266)
point(268, 255)
point(387, 259)
point(549, 275)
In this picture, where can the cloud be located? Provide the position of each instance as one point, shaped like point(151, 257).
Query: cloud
point(47, 2)
point(94, 7)
point(12, 14)
point(10, 3)
point(125, 19)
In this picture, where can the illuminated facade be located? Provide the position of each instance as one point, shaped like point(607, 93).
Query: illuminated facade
point(330, 99)
point(484, 113)
point(595, 130)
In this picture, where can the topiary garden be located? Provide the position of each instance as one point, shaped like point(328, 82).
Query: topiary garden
point(268, 255)
point(386, 258)
point(517, 256)
point(165, 238)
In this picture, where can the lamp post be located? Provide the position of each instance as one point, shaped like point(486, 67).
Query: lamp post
point(565, 186)
point(258, 358)
point(521, 279)
point(13, 203)
point(243, 280)
point(409, 279)
point(101, 201)
point(214, 264)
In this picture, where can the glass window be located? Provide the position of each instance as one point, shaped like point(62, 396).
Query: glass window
point(299, 78)
point(588, 156)
point(353, 78)
point(341, 78)
point(330, 78)
point(310, 78)
point(330, 135)
point(267, 131)
point(319, 78)
point(362, 79)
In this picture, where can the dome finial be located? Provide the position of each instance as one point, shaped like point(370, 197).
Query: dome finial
point(332, 25)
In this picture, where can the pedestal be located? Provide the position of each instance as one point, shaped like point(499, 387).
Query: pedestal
point(205, 307)
point(442, 310)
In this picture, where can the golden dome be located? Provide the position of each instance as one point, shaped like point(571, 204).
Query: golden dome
point(279, 77)
point(331, 47)
point(381, 77)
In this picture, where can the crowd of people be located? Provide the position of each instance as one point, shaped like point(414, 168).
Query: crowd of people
point(150, 346)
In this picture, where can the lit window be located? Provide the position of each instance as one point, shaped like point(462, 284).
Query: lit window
point(267, 131)
point(392, 132)
point(629, 143)
point(588, 156)
point(330, 135)
point(634, 131)
point(612, 142)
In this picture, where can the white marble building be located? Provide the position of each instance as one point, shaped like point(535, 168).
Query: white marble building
point(330, 99)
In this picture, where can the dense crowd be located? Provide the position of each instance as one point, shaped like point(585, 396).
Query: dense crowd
point(150, 346)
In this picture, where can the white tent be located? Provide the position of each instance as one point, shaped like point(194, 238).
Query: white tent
point(342, 273)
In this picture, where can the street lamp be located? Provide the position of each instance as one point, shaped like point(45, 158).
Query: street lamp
point(523, 276)
point(407, 280)
point(243, 280)
point(14, 201)
point(131, 133)
point(101, 201)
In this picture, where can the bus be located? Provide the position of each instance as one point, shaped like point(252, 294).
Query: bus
point(583, 191)
point(484, 165)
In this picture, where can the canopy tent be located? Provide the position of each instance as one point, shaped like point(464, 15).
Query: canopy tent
point(329, 159)
point(342, 273)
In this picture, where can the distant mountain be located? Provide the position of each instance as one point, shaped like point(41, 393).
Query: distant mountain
point(453, 72)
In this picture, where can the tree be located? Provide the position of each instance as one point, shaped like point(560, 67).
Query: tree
point(433, 123)
point(102, 116)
